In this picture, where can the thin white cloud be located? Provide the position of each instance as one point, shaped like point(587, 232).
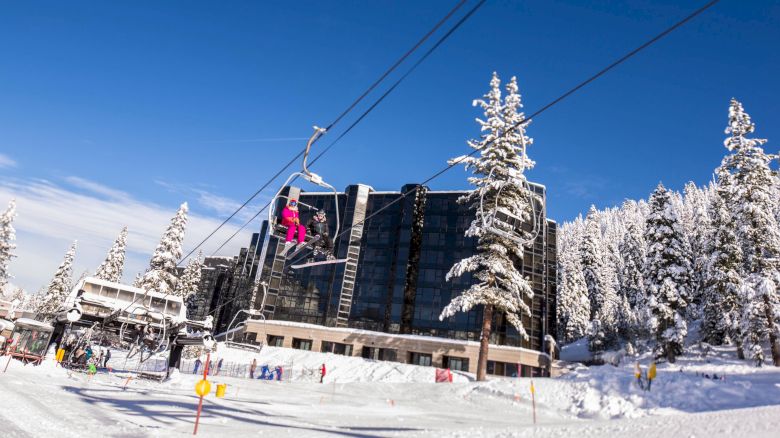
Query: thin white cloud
point(6, 161)
point(51, 216)
point(98, 189)
point(222, 206)
point(219, 204)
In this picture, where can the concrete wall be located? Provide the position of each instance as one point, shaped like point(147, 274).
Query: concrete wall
point(403, 344)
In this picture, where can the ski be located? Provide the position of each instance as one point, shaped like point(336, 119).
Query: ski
point(324, 262)
point(287, 247)
point(300, 247)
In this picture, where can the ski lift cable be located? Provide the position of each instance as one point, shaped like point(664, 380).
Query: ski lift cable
point(355, 123)
point(527, 119)
point(538, 112)
point(397, 63)
point(344, 113)
point(366, 112)
point(302, 152)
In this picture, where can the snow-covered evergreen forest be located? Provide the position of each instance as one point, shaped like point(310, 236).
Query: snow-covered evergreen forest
point(642, 275)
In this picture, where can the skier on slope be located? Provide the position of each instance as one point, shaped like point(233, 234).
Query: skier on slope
point(318, 226)
point(291, 219)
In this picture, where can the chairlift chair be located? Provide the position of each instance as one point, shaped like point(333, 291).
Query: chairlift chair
point(506, 224)
point(276, 230)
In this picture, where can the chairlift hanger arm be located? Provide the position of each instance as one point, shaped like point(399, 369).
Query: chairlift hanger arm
point(318, 132)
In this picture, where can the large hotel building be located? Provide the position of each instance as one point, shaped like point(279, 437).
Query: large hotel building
point(384, 302)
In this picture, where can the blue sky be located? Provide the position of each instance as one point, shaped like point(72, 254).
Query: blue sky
point(149, 104)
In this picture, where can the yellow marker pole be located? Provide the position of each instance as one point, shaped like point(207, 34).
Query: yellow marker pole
point(650, 375)
point(533, 399)
point(202, 388)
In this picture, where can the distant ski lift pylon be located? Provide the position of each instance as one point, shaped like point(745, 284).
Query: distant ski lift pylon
point(275, 230)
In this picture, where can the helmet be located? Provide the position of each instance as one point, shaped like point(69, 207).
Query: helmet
point(321, 213)
point(292, 203)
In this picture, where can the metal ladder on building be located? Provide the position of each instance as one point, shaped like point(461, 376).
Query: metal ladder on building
point(348, 285)
point(275, 282)
point(353, 254)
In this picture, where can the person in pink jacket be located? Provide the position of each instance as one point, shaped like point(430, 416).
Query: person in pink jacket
point(291, 219)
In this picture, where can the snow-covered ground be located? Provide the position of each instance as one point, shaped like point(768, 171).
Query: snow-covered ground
point(366, 398)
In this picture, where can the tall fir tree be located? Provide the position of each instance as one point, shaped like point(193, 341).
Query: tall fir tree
point(601, 292)
point(632, 249)
point(500, 285)
point(721, 303)
point(112, 267)
point(189, 282)
point(161, 275)
point(753, 204)
point(699, 231)
point(59, 287)
point(667, 275)
point(7, 245)
point(573, 309)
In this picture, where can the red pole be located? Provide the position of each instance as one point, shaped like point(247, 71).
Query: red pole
point(200, 402)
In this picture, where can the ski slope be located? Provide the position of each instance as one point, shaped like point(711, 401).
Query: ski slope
point(597, 401)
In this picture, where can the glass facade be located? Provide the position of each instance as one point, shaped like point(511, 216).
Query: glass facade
point(395, 281)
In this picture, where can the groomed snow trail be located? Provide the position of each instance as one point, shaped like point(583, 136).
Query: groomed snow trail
point(597, 401)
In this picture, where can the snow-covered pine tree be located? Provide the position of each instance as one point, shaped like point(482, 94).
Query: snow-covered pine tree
point(573, 309)
point(161, 275)
point(634, 312)
point(667, 274)
point(7, 236)
point(632, 250)
point(753, 203)
point(500, 285)
point(18, 296)
point(753, 323)
point(189, 282)
point(59, 287)
point(601, 292)
point(699, 232)
point(721, 302)
point(632, 282)
point(112, 267)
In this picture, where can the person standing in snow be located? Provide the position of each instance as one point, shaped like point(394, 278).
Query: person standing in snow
point(252, 368)
point(219, 366)
point(318, 226)
point(322, 373)
point(106, 357)
point(292, 220)
point(197, 365)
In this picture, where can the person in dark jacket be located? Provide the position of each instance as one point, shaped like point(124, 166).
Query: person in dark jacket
point(318, 226)
point(106, 357)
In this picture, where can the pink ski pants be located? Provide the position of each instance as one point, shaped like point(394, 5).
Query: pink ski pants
point(301, 233)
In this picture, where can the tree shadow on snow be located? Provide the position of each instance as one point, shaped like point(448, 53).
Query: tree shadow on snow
point(169, 412)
